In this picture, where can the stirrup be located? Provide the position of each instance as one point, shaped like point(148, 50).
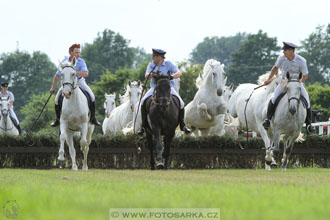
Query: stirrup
point(140, 132)
point(186, 130)
point(266, 124)
point(310, 129)
point(55, 123)
point(94, 121)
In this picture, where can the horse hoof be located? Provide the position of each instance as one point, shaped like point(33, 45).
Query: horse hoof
point(85, 168)
point(267, 167)
point(273, 165)
point(160, 166)
point(74, 167)
point(284, 169)
point(60, 163)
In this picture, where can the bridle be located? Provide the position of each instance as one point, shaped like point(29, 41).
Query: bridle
point(72, 85)
point(294, 98)
point(158, 100)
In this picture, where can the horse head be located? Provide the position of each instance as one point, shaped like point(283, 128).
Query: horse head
point(4, 106)
point(69, 77)
point(293, 91)
point(162, 90)
point(133, 91)
point(213, 76)
point(110, 103)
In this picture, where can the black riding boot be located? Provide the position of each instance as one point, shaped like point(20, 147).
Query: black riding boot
point(309, 127)
point(144, 116)
point(181, 121)
point(93, 120)
point(19, 129)
point(270, 113)
point(58, 115)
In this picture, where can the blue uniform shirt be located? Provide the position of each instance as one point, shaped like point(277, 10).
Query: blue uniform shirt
point(80, 66)
point(164, 68)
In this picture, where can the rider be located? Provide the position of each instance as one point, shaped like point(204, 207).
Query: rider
point(160, 64)
point(6, 93)
point(292, 63)
point(81, 71)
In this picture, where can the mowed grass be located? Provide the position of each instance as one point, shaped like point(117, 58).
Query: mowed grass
point(240, 194)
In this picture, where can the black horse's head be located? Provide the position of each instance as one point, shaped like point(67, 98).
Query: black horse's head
point(162, 95)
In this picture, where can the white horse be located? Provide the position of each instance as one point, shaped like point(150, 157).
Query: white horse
point(122, 99)
point(6, 125)
point(255, 110)
point(123, 114)
point(109, 105)
point(289, 117)
point(74, 115)
point(222, 120)
point(201, 113)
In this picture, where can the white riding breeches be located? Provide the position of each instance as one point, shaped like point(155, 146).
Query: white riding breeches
point(278, 91)
point(173, 92)
point(82, 84)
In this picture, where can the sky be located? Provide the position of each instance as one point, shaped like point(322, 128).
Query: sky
point(176, 26)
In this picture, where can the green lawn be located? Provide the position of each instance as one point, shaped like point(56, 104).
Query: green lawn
point(240, 194)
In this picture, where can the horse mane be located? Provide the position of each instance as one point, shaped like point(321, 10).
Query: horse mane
point(275, 81)
point(206, 70)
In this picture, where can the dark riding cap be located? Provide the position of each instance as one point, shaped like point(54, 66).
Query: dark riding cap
point(288, 45)
point(5, 84)
point(158, 52)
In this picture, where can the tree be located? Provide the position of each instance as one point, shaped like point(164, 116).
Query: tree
point(108, 52)
point(316, 50)
point(319, 96)
point(27, 75)
point(187, 81)
point(255, 56)
point(218, 48)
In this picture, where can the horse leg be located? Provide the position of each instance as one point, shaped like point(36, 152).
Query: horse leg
point(84, 144)
point(269, 152)
point(69, 141)
point(167, 144)
point(151, 150)
point(276, 141)
point(159, 149)
point(61, 158)
point(287, 152)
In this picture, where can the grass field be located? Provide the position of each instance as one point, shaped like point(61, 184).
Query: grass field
point(240, 194)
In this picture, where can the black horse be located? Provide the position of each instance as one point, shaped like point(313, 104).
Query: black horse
point(163, 110)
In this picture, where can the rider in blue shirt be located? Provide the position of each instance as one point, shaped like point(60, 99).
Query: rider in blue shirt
point(81, 71)
point(163, 66)
point(292, 63)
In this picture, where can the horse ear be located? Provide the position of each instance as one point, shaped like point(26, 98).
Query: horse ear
point(139, 83)
point(129, 83)
point(105, 94)
point(225, 81)
point(114, 94)
point(74, 61)
point(300, 75)
point(288, 75)
point(201, 75)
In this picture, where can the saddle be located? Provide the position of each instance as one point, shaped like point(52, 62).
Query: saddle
point(175, 99)
point(277, 101)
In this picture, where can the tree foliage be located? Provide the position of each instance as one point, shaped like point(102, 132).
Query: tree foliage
point(219, 48)
point(256, 56)
point(316, 50)
point(319, 96)
point(27, 75)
